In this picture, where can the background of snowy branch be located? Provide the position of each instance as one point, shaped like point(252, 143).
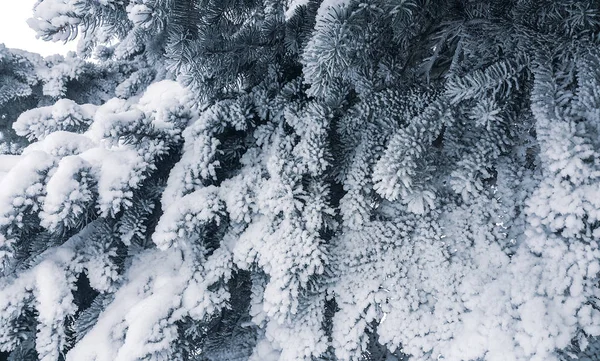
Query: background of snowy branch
point(302, 180)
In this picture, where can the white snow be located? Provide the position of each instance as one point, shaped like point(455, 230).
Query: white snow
point(7, 162)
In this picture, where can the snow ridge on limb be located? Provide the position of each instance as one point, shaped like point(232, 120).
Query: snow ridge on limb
point(68, 179)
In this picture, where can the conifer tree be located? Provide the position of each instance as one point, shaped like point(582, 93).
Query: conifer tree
point(308, 180)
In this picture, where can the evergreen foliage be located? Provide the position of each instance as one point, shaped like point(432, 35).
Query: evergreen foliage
point(304, 180)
